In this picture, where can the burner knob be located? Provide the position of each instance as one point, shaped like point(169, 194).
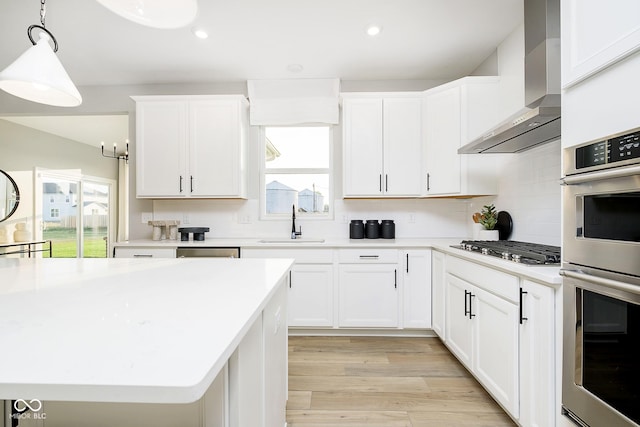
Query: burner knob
point(516, 257)
point(485, 251)
point(468, 247)
point(506, 255)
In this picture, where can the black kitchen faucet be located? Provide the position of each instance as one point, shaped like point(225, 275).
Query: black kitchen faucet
point(294, 233)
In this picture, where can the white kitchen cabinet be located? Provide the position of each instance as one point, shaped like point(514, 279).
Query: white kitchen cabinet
point(459, 325)
point(368, 296)
point(416, 286)
point(594, 37)
point(143, 252)
point(310, 291)
point(495, 353)
point(455, 113)
point(246, 379)
point(311, 295)
point(369, 288)
point(438, 293)
point(191, 146)
point(537, 355)
point(482, 327)
point(382, 140)
point(275, 353)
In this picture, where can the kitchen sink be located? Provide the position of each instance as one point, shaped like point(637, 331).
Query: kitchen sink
point(291, 241)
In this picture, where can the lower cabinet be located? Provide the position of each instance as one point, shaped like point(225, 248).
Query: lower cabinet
point(416, 275)
point(369, 285)
point(502, 328)
point(368, 296)
point(311, 295)
point(310, 291)
point(438, 293)
point(143, 252)
point(537, 355)
point(482, 329)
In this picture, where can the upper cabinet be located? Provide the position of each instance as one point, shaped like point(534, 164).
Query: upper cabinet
point(191, 146)
point(455, 113)
point(594, 37)
point(382, 143)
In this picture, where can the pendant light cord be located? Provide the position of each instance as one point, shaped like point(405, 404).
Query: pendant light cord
point(43, 13)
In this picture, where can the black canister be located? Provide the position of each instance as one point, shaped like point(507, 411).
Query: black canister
point(388, 229)
point(356, 229)
point(372, 229)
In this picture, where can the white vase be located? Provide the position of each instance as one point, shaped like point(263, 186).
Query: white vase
point(488, 234)
point(21, 234)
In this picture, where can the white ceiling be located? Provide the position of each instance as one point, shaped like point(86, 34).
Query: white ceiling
point(259, 39)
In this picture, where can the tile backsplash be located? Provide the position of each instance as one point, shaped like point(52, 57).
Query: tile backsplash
point(529, 189)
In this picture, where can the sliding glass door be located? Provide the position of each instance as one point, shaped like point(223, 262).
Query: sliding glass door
point(75, 213)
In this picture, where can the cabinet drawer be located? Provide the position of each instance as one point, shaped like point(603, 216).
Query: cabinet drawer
point(302, 256)
point(357, 256)
point(501, 284)
point(145, 252)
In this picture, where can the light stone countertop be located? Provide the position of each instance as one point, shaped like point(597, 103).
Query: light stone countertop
point(545, 274)
point(126, 330)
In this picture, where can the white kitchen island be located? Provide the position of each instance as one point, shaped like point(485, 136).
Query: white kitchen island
point(163, 342)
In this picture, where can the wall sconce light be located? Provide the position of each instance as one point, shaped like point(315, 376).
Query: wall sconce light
point(157, 14)
point(37, 75)
point(120, 156)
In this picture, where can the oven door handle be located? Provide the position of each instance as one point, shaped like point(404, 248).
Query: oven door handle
point(606, 174)
point(596, 280)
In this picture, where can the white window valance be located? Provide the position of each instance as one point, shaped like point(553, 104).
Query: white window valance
point(293, 101)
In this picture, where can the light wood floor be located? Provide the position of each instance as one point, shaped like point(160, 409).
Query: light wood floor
point(383, 382)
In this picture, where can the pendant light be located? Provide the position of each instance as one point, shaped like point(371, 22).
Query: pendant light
point(37, 75)
point(155, 13)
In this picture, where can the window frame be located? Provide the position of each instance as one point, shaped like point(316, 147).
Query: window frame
point(322, 216)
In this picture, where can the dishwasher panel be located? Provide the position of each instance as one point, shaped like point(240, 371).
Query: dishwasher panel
point(207, 252)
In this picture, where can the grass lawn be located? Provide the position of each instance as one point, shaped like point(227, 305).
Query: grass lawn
point(64, 242)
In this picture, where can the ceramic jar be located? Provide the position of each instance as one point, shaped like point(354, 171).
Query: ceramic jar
point(388, 229)
point(372, 229)
point(356, 229)
point(21, 234)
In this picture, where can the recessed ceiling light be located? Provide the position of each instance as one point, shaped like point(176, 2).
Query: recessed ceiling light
point(199, 33)
point(295, 68)
point(374, 29)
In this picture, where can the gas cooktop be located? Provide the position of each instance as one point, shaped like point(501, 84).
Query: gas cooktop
point(522, 252)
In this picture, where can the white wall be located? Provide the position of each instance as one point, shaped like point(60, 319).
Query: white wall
point(529, 189)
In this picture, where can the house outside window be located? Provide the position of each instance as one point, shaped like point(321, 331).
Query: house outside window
point(297, 171)
point(55, 213)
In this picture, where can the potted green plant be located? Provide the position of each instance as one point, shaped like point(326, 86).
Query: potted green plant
point(488, 219)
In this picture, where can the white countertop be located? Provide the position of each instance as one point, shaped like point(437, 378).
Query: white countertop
point(125, 330)
point(545, 274)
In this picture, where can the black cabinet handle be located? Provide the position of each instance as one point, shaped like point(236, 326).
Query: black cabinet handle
point(386, 183)
point(428, 182)
point(522, 318)
point(289, 279)
point(407, 263)
point(395, 279)
point(191, 183)
point(181, 183)
point(466, 306)
point(471, 315)
point(380, 182)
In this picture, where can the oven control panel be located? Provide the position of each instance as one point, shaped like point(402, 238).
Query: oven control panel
point(607, 151)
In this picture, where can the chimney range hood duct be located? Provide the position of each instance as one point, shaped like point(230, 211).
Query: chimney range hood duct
point(539, 121)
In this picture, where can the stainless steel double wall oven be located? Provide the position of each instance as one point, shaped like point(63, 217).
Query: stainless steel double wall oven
point(601, 280)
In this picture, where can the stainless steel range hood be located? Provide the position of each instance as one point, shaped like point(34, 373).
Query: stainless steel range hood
point(539, 121)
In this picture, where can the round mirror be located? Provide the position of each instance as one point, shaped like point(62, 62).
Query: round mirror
point(9, 196)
